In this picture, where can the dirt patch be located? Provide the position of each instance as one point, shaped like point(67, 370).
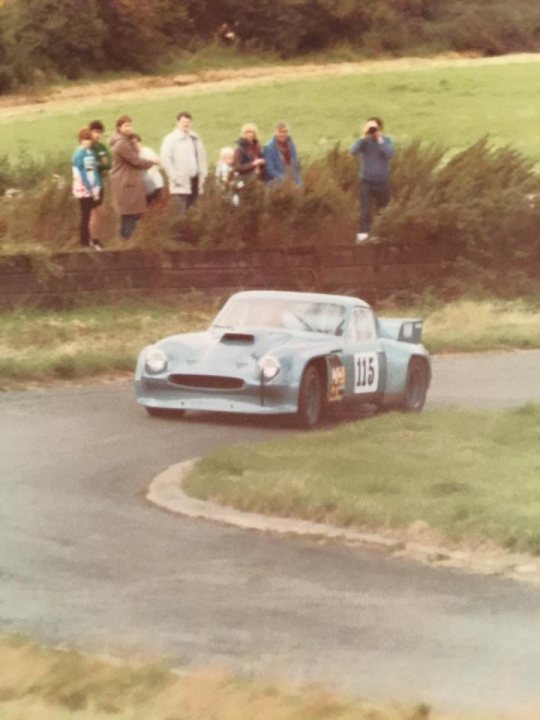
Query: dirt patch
point(58, 98)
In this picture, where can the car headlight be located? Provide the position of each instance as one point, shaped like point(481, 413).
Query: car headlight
point(269, 367)
point(156, 360)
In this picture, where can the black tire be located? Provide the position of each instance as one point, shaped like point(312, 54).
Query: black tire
point(164, 412)
point(310, 398)
point(416, 387)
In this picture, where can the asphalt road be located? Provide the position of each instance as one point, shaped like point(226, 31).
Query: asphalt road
point(85, 562)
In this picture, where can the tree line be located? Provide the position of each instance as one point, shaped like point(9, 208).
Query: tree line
point(46, 38)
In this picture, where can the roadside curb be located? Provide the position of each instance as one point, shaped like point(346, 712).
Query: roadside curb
point(165, 491)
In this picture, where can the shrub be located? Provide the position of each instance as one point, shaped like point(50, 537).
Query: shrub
point(481, 207)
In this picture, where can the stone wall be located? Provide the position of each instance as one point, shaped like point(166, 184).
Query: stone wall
point(369, 271)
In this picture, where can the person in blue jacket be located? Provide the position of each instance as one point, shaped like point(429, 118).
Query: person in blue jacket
point(376, 150)
point(87, 185)
point(281, 157)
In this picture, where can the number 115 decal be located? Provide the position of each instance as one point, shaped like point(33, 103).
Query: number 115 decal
point(366, 372)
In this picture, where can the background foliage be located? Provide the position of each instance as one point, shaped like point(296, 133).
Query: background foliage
point(43, 38)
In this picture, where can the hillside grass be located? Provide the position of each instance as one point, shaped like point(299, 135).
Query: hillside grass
point(104, 340)
point(453, 106)
point(43, 684)
point(471, 475)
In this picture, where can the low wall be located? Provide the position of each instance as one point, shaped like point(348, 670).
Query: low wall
point(62, 280)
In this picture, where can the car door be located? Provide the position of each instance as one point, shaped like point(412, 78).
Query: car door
point(364, 358)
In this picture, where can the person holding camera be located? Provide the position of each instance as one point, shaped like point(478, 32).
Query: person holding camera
point(376, 150)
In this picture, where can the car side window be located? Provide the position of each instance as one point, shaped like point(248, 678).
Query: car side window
point(362, 325)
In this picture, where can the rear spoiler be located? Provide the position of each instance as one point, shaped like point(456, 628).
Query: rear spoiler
point(403, 329)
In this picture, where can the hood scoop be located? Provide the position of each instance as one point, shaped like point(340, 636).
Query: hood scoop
point(233, 338)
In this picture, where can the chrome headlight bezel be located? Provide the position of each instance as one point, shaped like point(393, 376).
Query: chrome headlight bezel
point(269, 367)
point(155, 361)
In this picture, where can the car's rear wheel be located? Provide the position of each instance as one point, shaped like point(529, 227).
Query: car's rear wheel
point(163, 412)
point(310, 398)
point(416, 387)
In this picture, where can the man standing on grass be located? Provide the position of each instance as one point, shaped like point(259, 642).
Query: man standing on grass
point(183, 157)
point(376, 150)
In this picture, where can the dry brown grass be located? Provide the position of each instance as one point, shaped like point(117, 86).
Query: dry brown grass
point(42, 684)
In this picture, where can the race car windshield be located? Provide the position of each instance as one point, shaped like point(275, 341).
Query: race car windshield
point(304, 315)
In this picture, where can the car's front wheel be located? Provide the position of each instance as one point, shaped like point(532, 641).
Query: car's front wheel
point(416, 387)
point(163, 412)
point(310, 398)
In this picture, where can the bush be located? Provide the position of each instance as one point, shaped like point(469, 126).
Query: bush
point(73, 37)
point(481, 207)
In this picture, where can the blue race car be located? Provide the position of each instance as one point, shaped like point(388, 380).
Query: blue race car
point(272, 352)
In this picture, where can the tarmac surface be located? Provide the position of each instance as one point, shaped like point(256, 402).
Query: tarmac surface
point(87, 562)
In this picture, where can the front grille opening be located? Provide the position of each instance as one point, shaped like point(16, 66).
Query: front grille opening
point(207, 382)
point(232, 337)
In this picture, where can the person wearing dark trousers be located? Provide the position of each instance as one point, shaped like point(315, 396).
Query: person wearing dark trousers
point(103, 159)
point(127, 184)
point(376, 151)
point(87, 186)
point(183, 157)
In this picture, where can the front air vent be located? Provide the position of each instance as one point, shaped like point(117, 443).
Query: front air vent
point(243, 338)
point(207, 382)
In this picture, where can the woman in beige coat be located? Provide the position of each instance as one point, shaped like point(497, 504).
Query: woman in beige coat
point(127, 185)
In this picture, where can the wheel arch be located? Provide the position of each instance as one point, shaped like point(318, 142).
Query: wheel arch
point(320, 364)
point(421, 360)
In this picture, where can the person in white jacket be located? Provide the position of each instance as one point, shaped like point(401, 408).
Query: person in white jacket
point(183, 157)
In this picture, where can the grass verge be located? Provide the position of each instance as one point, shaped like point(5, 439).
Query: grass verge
point(472, 475)
point(42, 684)
point(39, 345)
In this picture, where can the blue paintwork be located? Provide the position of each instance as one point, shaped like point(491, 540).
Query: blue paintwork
point(218, 354)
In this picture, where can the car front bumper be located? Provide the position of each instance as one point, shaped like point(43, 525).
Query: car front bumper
point(265, 399)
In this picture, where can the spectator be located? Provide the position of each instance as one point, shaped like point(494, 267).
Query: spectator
point(281, 157)
point(183, 158)
point(224, 166)
point(152, 178)
point(376, 150)
point(226, 177)
point(101, 151)
point(103, 159)
point(87, 186)
point(248, 158)
point(127, 185)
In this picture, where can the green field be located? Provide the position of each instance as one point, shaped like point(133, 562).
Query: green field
point(471, 475)
point(453, 106)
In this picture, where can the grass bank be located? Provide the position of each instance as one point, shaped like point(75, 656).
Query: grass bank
point(472, 475)
point(42, 684)
point(38, 345)
point(453, 105)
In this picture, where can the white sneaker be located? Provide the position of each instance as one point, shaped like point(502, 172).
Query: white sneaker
point(96, 245)
point(361, 238)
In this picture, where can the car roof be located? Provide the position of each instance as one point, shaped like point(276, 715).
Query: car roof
point(346, 300)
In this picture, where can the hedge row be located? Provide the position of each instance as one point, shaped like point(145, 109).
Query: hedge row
point(482, 206)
